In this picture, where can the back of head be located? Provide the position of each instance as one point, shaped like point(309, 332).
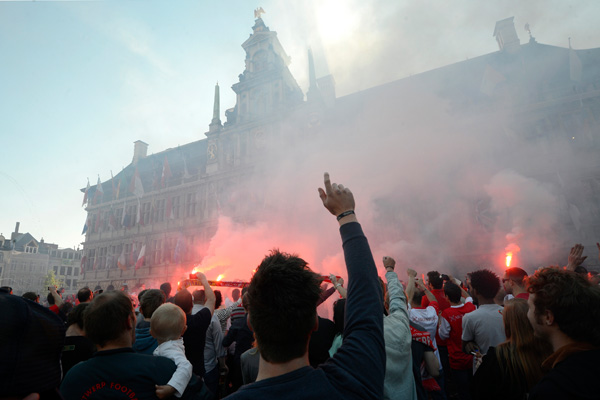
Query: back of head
point(183, 299)
point(339, 315)
point(417, 297)
point(486, 283)
point(151, 300)
point(76, 315)
point(282, 306)
point(31, 296)
point(573, 301)
point(516, 325)
point(31, 341)
point(106, 318)
point(452, 290)
point(218, 298)
point(516, 274)
point(50, 299)
point(435, 279)
point(166, 288)
point(235, 294)
point(199, 296)
point(168, 322)
point(84, 294)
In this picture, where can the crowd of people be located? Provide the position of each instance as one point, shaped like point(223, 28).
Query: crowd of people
point(515, 336)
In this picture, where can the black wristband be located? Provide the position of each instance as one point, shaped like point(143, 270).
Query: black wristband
point(345, 214)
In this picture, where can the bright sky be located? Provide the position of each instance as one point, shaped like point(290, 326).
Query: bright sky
point(80, 81)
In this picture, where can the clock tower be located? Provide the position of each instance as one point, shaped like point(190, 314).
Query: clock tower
point(266, 86)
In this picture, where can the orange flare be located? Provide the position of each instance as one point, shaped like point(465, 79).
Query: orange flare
point(508, 259)
point(220, 277)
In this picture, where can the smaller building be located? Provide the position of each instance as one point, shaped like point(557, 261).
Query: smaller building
point(25, 263)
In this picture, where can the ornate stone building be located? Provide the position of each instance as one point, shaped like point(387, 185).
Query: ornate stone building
point(168, 203)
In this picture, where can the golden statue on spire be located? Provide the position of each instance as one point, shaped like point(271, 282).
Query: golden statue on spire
point(258, 12)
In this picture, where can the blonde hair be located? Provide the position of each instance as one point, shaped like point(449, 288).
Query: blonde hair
point(167, 322)
point(521, 356)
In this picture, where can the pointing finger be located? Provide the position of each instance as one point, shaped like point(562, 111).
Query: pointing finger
point(327, 183)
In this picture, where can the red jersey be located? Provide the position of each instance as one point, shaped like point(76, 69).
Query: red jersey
point(451, 327)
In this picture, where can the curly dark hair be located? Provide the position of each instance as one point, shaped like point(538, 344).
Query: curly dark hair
point(486, 283)
point(573, 301)
point(282, 306)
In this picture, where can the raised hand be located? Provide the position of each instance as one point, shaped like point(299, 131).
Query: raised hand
point(575, 257)
point(336, 198)
point(389, 262)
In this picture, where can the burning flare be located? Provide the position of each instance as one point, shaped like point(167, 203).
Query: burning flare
point(508, 259)
point(220, 277)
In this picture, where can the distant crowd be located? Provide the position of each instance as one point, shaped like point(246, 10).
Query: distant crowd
point(514, 336)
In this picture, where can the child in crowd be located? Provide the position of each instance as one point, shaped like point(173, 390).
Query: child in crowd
point(167, 325)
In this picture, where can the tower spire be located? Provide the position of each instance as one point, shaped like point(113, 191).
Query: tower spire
point(215, 124)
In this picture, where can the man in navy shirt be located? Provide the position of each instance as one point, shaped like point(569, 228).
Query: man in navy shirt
point(282, 299)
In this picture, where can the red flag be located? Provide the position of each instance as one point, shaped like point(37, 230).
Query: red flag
point(136, 186)
point(166, 173)
point(99, 191)
point(132, 258)
point(141, 257)
point(83, 261)
point(122, 261)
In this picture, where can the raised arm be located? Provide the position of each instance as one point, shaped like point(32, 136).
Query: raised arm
point(396, 294)
point(428, 293)
point(338, 284)
point(57, 299)
point(410, 286)
point(463, 292)
point(210, 295)
point(362, 354)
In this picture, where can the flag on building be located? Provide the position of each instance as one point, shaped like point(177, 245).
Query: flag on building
point(82, 265)
point(85, 226)
point(99, 191)
point(132, 258)
point(85, 194)
point(186, 173)
point(166, 173)
point(141, 257)
point(179, 250)
point(122, 260)
point(138, 217)
point(136, 186)
point(95, 263)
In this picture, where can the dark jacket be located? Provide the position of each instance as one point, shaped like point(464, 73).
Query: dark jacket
point(144, 342)
point(575, 377)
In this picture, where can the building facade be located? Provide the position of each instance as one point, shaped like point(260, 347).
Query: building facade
point(25, 263)
point(155, 218)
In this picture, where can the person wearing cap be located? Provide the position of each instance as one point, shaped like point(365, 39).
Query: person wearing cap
point(116, 370)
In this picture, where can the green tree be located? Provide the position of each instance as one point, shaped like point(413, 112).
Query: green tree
point(52, 280)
